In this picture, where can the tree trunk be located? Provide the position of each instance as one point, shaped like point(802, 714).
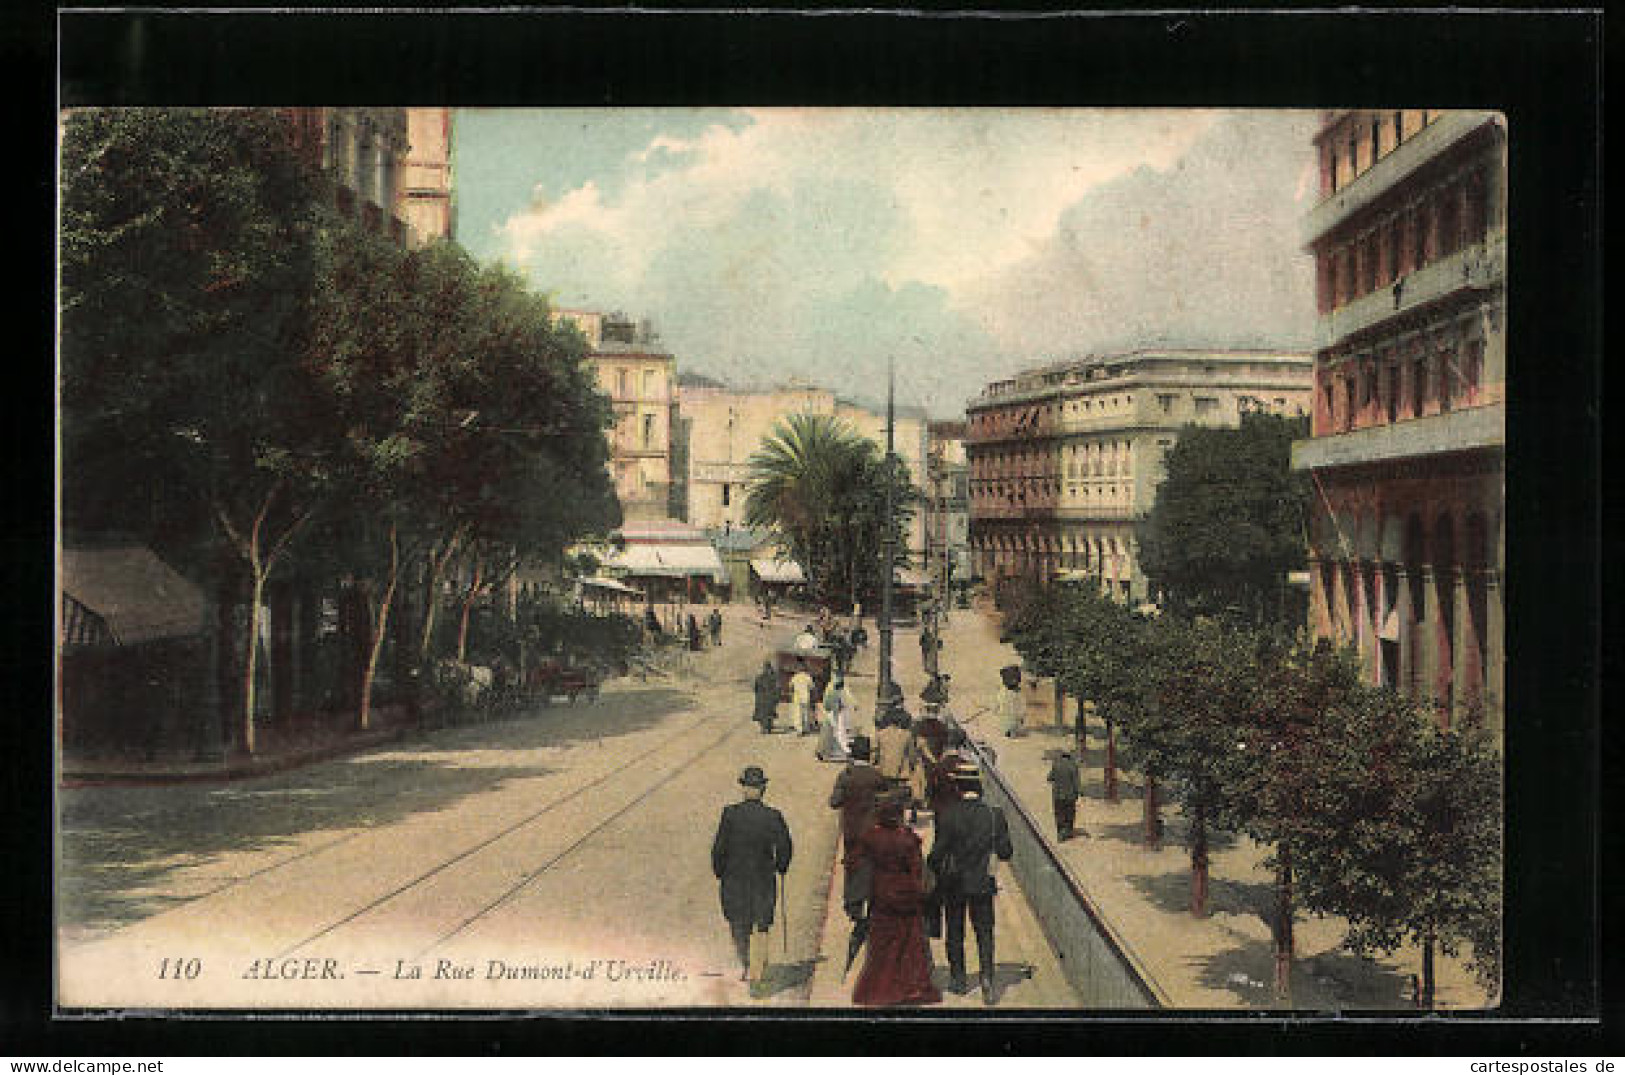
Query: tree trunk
point(437, 570)
point(1153, 820)
point(1111, 760)
point(1080, 733)
point(1427, 970)
point(1060, 703)
point(380, 627)
point(1283, 930)
point(1199, 863)
point(468, 606)
point(251, 661)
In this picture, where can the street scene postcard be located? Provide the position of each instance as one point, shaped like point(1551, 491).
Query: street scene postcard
point(566, 560)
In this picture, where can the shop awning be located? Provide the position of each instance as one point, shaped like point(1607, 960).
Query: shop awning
point(918, 580)
point(787, 572)
point(609, 584)
point(669, 561)
point(137, 596)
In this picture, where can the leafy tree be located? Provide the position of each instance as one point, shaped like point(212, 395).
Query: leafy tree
point(823, 488)
point(1409, 847)
point(1286, 742)
point(1229, 519)
point(187, 415)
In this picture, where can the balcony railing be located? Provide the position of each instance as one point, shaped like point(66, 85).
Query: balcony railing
point(1471, 429)
point(1405, 159)
point(1479, 267)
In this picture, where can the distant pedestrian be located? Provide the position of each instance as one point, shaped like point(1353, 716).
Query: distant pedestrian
point(942, 784)
point(896, 754)
point(801, 698)
point(714, 621)
point(968, 837)
point(651, 623)
point(750, 853)
point(1066, 786)
point(897, 966)
point(693, 633)
point(930, 648)
point(832, 738)
point(766, 687)
point(1011, 706)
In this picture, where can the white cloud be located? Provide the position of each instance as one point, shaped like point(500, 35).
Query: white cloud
point(776, 243)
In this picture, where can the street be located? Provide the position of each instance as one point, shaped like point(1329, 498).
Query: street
point(559, 859)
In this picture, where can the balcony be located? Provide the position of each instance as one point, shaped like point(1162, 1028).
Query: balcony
point(1473, 429)
point(1448, 130)
point(1479, 267)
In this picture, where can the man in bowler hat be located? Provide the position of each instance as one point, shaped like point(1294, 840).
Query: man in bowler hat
point(751, 850)
point(969, 835)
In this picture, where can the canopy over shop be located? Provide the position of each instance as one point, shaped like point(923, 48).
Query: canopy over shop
point(134, 653)
point(605, 595)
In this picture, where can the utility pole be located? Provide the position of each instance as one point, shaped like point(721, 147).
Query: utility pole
point(887, 556)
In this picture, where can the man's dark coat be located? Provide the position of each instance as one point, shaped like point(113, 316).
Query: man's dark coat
point(856, 790)
point(969, 833)
point(1066, 783)
point(752, 844)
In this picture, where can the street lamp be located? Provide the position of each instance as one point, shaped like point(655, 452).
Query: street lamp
point(887, 557)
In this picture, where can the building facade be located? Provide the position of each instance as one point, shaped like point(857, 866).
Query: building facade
point(947, 506)
point(364, 151)
point(1064, 460)
point(726, 426)
point(1409, 431)
point(640, 380)
point(424, 199)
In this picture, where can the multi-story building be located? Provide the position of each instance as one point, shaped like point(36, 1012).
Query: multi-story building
point(640, 380)
point(1066, 459)
point(363, 150)
point(1409, 431)
point(725, 427)
point(947, 505)
point(424, 200)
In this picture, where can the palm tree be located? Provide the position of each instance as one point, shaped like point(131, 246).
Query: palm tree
point(806, 483)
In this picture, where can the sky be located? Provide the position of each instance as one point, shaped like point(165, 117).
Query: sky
point(966, 244)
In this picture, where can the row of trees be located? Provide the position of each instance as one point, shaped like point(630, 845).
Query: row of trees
point(1369, 808)
point(254, 382)
point(822, 486)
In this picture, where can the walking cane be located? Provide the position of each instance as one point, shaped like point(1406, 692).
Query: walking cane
point(784, 915)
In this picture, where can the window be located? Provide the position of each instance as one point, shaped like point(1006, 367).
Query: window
point(648, 384)
point(1348, 402)
point(1166, 401)
point(1206, 405)
point(727, 494)
point(1447, 375)
point(1376, 140)
point(1391, 395)
point(648, 430)
point(1419, 386)
point(620, 383)
point(1399, 127)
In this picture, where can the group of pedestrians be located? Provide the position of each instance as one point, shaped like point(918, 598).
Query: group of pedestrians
point(896, 898)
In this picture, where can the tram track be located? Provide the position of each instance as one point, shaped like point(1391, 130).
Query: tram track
point(469, 853)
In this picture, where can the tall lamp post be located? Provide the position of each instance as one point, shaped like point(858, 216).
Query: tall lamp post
point(887, 557)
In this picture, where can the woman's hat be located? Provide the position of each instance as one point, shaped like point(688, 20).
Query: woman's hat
point(859, 747)
point(753, 777)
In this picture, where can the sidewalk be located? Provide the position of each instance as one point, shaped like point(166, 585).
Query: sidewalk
point(275, 754)
point(1222, 961)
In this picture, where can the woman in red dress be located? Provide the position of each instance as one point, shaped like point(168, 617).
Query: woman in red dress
point(897, 966)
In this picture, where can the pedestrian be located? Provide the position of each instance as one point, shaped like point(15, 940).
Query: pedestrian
point(1066, 786)
point(895, 751)
point(841, 646)
point(1011, 706)
point(651, 623)
point(714, 621)
point(750, 853)
point(767, 697)
point(805, 640)
point(856, 792)
point(693, 633)
point(859, 636)
point(930, 646)
point(801, 698)
point(832, 739)
point(942, 788)
point(968, 836)
point(897, 965)
point(930, 744)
